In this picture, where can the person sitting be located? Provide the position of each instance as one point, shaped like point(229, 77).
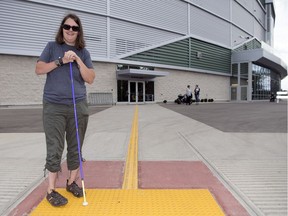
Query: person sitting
point(272, 97)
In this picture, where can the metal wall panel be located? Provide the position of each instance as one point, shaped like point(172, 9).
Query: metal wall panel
point(95, 34)
point(168, 20)
point(242, 18)
point(176, 53)
point(259, 13)
point(171, 15)
point(238, 36)
point(247, 4)
point(28, 35)
point(219, 7)
point(211, 58)
point(191, 53)
point(270, 25)
point(259, 31)
point(127, 37)
point(99, 6)
point(207, 26)
point(23, 34)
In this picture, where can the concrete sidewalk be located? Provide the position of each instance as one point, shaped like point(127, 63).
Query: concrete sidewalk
point(244, 145)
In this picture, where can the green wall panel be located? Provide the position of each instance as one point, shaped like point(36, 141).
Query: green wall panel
point(213, 57)
point(190, 53)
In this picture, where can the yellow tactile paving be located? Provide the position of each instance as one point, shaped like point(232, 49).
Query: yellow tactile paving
point(133, 201)
point(104, 202)
point(130, 180)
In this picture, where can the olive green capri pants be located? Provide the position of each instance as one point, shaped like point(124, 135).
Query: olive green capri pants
point(59, 121)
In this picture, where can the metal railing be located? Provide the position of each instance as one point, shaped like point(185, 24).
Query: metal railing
point(100, 98)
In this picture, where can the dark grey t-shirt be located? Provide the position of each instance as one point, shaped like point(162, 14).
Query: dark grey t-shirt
point(58, 83)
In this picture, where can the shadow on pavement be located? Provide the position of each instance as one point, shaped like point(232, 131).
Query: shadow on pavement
point(29, 120)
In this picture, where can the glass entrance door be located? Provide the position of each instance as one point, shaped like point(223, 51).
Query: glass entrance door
point(244, 93)
point(136, 90)
point(233, 93)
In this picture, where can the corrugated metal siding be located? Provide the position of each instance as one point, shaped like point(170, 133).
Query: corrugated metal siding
point(259, 22)
point(191, 53)
point(172, 54)
point(242, 17)
point(95, 34)
point(259, 31)
point(127, 37)
point(168, 20)
point(251, 13)
point(262, 2)
point(171, 15)
point(213, 57)
point(208, 26)
point(32, 32)
point(99, 6)
point(219, 7)
point(248, 4)
point(259, 13)
point(238, 36)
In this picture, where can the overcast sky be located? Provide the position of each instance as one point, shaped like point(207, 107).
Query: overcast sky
point(281, 34)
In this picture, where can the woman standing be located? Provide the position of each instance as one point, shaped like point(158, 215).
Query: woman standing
point(58, 110)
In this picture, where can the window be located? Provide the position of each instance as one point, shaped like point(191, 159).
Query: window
point(124, 67)
point(149, 91)
point(264, 82)
point(122, 90)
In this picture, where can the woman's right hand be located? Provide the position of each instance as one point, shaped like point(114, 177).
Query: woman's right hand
point(69, 56)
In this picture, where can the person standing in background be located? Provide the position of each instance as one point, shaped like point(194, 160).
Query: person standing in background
point(197, 94)
point(188, 95)
point(58, 108)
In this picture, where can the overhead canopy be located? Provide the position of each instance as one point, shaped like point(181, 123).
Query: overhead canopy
point(141, 73)
point(262, 56)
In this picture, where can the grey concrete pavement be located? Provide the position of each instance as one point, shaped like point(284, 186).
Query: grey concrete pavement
point(255, 117)
point(244, 145)
point(23, 152)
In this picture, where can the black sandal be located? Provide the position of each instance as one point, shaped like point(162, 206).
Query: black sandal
point(56, 199)
point(74, 189)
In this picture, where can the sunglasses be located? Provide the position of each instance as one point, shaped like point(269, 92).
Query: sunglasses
point(68, 27)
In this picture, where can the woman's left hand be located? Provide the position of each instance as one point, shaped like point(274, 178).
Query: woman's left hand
point(70, 56)
point(87, 74)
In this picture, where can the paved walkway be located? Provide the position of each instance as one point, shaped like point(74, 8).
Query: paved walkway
point(244, 145)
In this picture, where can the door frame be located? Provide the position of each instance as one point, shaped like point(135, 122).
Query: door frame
point(136, 92)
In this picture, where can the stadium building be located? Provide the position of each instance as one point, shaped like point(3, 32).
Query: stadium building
point(147, 51)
